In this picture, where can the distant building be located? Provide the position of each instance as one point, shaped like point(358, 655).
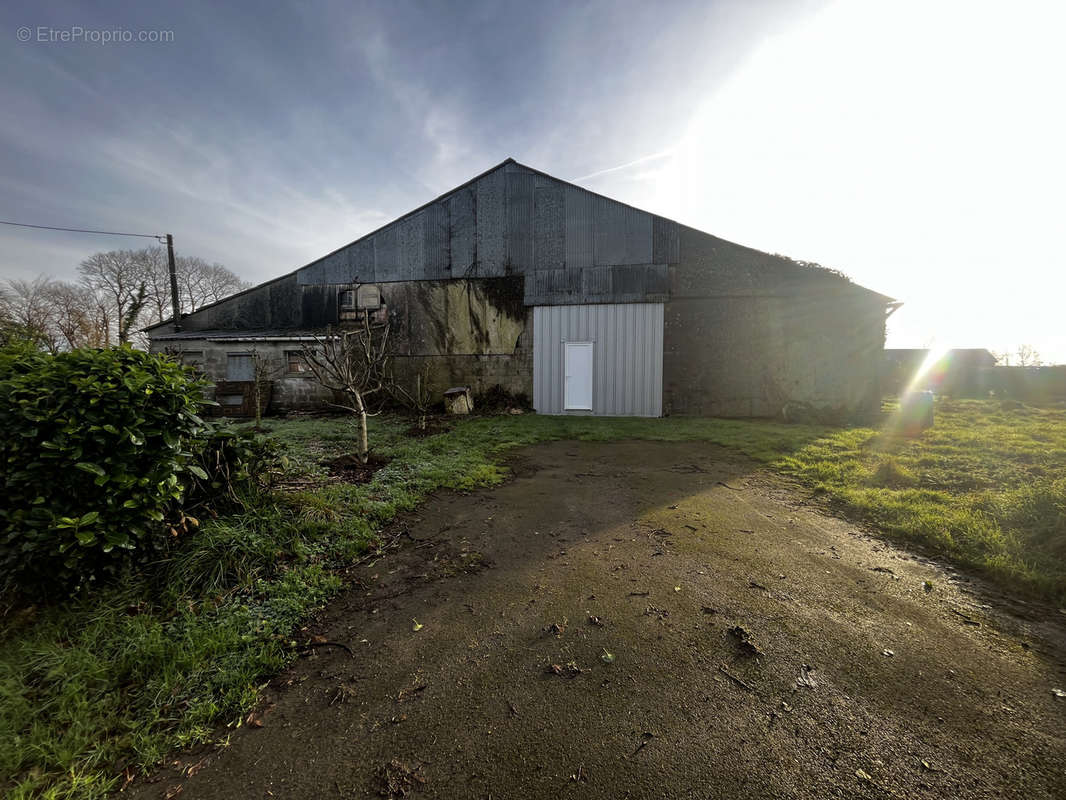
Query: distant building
point(957, 371)
point(585, 305)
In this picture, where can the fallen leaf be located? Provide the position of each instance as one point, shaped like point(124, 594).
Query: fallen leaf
point(677, 588)
point(417, 625)
point(607, 657)
point(887, 652)
point(1058, 693)
point(173, 791)
point(863, 775)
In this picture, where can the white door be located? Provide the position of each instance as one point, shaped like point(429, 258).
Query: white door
point(577, 373)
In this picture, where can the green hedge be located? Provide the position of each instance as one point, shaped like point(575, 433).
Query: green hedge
point(97, 449)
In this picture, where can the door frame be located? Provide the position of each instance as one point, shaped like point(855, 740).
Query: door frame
point(591, 345)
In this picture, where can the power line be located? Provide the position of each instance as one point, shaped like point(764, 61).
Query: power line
point(82, 230)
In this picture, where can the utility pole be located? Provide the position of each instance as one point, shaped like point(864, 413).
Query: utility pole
point(174, 301)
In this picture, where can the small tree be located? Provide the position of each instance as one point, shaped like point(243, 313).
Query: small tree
point(352, 363)
point(417, 398)
point(262, 373)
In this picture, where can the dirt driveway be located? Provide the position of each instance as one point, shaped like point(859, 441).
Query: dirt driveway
point(757, 648)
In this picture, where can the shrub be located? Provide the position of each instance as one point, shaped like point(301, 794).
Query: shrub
point(97, 447)
point(232, 463)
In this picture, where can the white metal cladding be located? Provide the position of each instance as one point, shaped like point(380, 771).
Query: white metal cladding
point(627, 356)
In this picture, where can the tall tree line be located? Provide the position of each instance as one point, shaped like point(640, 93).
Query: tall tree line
point(117, 293)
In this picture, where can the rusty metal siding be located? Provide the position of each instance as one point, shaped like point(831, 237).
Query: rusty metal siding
point(627, 356)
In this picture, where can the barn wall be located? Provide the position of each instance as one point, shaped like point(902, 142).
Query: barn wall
point(745, 336)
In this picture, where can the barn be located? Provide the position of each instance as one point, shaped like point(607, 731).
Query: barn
point(520, 281)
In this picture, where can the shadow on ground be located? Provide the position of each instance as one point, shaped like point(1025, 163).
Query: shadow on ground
point(577, 637)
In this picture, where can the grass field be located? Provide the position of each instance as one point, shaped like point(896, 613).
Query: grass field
point(103, 687)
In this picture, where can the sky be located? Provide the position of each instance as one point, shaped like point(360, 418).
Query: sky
point(919, 146)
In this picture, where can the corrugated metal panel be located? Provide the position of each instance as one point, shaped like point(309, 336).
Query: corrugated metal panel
point(387, 255)
point(491, 224)
point(596, 283)
point(462, 213)
point(666, 241)
point(626, 283)
point(549, 232)
point(627, 356)
point(638, 233)
point(312, 273)
point(580, 227)
point(436, 248)
point(610, 232)
point(335, 267)
point(520, 221)
point(563, 285)
point(362, 261)
point(412, 239)
point(514, 221)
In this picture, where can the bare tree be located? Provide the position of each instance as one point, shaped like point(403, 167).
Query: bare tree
point(352, 363)
point(137, 285)
point(157, 275)
point(30, 314)
point(123, 278)
point(1028, 356)
point(79, 315)
point(201, 283)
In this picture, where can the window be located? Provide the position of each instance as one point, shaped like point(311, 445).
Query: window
point(347, 298)
point(295, 362)
point(230, 400)
point(239, 367)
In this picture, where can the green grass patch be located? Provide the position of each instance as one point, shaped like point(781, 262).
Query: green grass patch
point(119, 677)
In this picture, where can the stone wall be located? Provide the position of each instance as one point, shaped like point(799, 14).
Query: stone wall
point(291, 391)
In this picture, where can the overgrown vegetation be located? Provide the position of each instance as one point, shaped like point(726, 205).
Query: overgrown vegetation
point(102, 687)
